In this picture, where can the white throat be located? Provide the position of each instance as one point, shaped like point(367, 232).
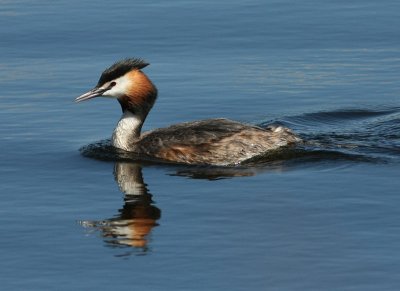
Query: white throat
point(127, 131)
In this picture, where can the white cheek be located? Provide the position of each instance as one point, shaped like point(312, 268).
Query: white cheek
point(119, 89)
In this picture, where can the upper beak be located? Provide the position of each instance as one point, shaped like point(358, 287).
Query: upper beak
point(95, 92)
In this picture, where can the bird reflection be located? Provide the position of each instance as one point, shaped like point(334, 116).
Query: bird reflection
point(137, 217)
point(132, 225)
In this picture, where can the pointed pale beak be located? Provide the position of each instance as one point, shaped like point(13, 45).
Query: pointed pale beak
point(95, 92)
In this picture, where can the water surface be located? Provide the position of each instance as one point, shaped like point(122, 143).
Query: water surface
point(323, 217)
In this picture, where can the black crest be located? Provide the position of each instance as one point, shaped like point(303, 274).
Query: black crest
point(120, 68)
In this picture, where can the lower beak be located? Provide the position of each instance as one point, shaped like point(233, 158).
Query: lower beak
point(91, 94)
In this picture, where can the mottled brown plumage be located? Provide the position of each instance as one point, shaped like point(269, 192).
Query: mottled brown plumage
point(212, 141)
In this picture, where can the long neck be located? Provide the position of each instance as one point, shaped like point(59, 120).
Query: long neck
point(135, 104)
point(127, 131)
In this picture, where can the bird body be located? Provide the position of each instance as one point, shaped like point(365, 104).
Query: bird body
point(211, 142)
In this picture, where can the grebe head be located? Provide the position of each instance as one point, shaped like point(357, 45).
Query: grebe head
point(125, 81)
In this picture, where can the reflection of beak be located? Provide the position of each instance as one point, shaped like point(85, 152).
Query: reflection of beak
point(95, 92)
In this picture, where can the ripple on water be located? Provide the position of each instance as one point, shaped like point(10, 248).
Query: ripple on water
point(364, 136)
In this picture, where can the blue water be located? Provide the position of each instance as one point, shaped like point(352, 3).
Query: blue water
point(323, 217)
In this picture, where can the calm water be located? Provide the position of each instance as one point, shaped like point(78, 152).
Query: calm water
point(323, 217)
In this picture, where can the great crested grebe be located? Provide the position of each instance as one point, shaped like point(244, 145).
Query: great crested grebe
point(211, 142)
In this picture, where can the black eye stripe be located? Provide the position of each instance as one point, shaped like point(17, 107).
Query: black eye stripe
point(112, 84)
